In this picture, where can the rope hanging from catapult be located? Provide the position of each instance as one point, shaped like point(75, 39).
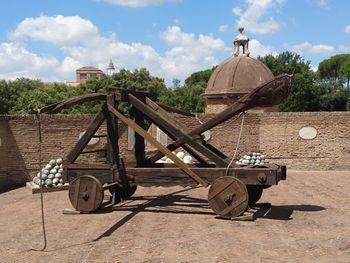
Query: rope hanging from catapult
point(238, 142)
point(39, 132)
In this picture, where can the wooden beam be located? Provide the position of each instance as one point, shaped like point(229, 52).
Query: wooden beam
point(159, 108)
point(122, 94)
point(160, 147)
point(80, 145)
point(165, 124)
point(57, 107)
point(268, 94)
point(112, 131)
point(139, 146)
point(164, 176)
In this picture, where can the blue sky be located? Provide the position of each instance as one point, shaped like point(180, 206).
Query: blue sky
point(48, 40)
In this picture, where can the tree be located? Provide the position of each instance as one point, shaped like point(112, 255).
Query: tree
point(335, 68)
point(304, 94)
point(188, 97)
point(5, 97)
point(21, 96)
point(345, 72)
point(199, 78)
point(38, 95)
point(139, 80)
point(348, 104)
point(310, 91)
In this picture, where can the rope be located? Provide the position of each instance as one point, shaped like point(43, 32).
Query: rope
point(197, 118)
point(238, 142)
point(38, 117)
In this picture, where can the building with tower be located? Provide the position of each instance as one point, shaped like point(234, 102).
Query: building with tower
point(110, 70)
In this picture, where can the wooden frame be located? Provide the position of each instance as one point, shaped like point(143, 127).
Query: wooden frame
point(212, 162)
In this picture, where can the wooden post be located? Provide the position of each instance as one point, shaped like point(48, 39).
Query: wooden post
point(139, 147)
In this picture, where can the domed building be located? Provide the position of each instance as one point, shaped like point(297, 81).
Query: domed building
point(235, 77)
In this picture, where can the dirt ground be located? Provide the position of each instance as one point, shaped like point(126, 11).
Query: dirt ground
point(309, 221)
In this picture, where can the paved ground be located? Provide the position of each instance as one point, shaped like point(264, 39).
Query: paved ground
point(309, 222)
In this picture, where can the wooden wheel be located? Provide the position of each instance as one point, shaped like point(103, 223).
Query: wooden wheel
point(254, 193)
point(123, 192)
point(228, 196)
point(86, 193)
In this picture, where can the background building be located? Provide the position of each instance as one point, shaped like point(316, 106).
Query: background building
point(235, 77)
point(85, 73)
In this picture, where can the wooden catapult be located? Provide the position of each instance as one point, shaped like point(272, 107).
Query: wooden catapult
point(232, 188)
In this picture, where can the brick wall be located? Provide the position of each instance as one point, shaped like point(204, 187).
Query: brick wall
point(330, 150)
point(19, 143)
point(275, 134)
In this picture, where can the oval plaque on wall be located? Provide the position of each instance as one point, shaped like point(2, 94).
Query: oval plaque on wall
point(308, 133)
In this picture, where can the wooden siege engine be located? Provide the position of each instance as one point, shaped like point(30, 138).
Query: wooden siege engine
point(232, 188)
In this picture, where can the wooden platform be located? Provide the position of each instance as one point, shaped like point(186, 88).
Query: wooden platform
point(36, 190)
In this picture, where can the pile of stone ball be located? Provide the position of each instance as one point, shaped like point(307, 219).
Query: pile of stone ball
point(181, 155)
point(51, 174)
point(253, 159)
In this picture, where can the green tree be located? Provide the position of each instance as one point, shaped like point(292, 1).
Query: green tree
point(348, 104)
point(199, 78)
point(335, 68)
point(5, 97)
point(188, 97)
point(41, 95)
point(22, 95)
point(345, 72)
point(304, 94)
point(140, 79)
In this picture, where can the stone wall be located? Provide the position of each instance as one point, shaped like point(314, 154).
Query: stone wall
point(275, 134)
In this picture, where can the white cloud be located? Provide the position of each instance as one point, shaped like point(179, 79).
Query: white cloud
point(16, 61)
point(347, 29)
point(187, 52)
point(307, 47)
point(254, 18)
point(137, 3)
point(257, 49)
point(223, 28)
point(57, 30)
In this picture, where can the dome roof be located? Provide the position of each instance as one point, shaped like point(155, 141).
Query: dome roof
point(239, 74)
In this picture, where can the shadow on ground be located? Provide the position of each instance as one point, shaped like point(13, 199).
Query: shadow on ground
point(283, 212)
point(179, 203)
